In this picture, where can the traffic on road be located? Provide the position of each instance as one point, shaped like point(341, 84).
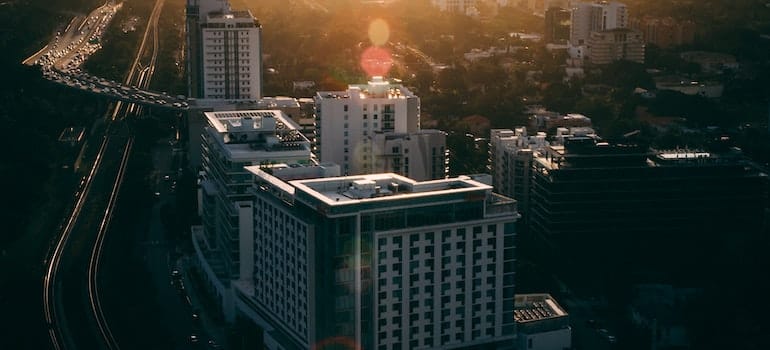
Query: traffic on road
point(61, 61)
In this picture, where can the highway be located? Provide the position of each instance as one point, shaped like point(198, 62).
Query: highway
point(71, 298)
point(60, 61)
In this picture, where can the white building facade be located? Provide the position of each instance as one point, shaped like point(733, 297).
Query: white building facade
point(510, 155)
point(375, 127)
point(612, 45)
point(224, 52)
point(232, 56)
point(588, 17)
point(380, 262)
point(230, 142)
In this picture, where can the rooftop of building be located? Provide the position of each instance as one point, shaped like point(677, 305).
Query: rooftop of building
point(378, 187)
point(378, 87)
point(344, 190)
point(592, 151)
point(241, 18)
point(242, 133)
point(240, 14)
point(536, 307)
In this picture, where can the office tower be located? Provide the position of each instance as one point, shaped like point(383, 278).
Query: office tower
point(617, 44)
point(379, 261)
point(590, 17)
point(224, 56)
point(660, 214)
point(232, 141)
point(358, 128)
point(557, 25)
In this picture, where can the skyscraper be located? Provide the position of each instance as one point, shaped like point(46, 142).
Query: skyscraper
point(375, 127)
point(379, 261)
point(224, 56)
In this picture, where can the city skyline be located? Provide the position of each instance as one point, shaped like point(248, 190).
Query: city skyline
point(325, 174)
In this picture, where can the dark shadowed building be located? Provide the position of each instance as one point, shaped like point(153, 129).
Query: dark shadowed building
point(635, 211)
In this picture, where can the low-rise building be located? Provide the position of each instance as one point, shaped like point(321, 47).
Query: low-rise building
point(541, 323)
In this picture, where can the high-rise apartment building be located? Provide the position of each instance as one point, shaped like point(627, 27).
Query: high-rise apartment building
point(232, 141)
point(378, 261)
point(224, 57)
point(617, 44)
point(375, 127)
point(589, 17)
point(510, 156)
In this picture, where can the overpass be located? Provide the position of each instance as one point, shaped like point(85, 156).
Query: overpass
point(114, 90)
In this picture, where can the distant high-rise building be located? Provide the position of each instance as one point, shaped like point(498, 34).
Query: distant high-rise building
point(615, 44)
point(224, 55)
point(378, 261)
point(665, 32)
point(557, 25)
point(511, 153)
point(375, 127)
point(655, 214)
point(231, 141)
point(510, 157)
point(458, 6)
point(588, 17)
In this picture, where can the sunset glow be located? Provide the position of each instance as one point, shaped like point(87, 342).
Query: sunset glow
point(377, 60)
point(379, 32)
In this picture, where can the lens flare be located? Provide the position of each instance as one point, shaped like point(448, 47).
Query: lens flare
point(379, 32)
point(376, 61)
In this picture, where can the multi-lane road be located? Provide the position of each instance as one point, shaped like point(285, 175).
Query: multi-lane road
point(71, 296)
point(61, 60)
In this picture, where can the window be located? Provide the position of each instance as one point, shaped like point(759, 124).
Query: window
point(345, 108)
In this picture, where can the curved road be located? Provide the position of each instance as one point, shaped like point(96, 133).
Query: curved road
point(71, 300)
